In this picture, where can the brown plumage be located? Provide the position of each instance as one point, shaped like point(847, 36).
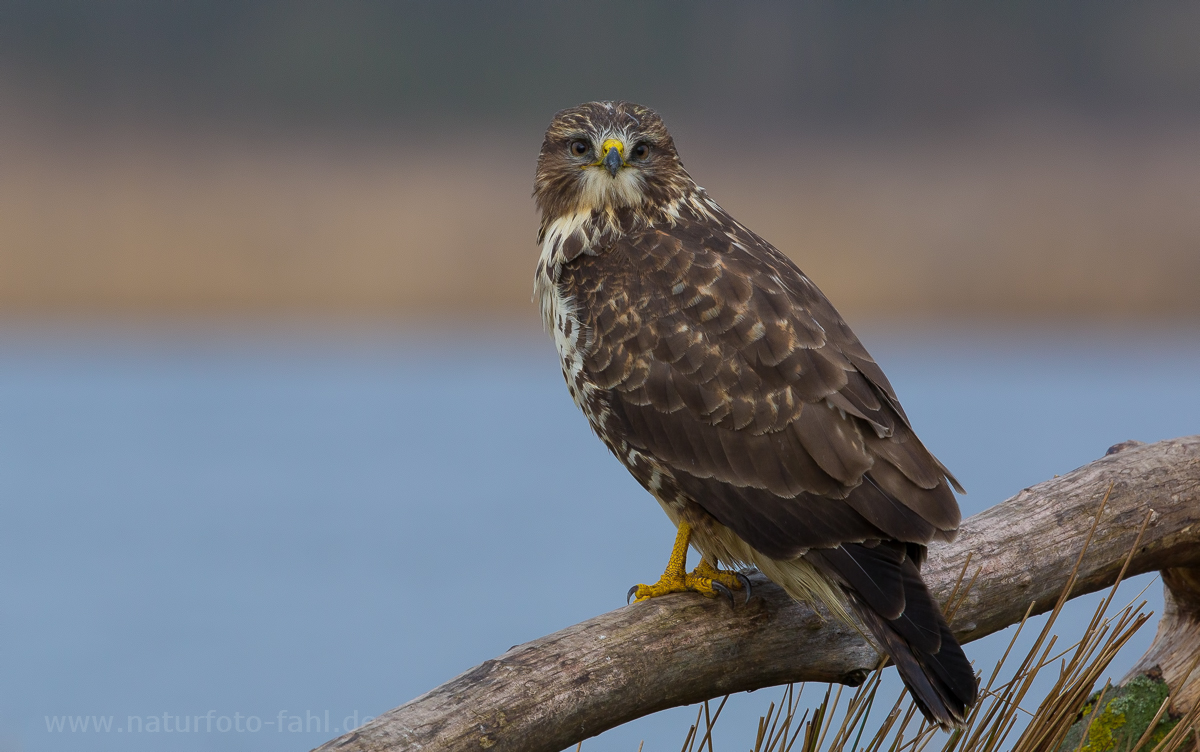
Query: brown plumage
point(732, 390)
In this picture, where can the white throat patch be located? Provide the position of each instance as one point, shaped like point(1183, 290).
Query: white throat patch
point(599, 190)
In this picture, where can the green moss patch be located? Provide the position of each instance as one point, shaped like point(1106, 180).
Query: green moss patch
point(1122, 719)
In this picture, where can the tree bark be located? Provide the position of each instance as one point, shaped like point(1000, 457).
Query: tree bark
point(550, 693)
point(1176, 646)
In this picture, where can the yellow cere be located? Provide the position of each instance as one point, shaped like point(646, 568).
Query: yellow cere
point(609, 143)
point(612, 143)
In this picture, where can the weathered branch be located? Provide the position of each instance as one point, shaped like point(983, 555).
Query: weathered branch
point(548, 694)
point(1176, 645)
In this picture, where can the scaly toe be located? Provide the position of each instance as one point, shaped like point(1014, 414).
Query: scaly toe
point(681, 583)
point(728, 579)
point(703, 585)
point(666, 584)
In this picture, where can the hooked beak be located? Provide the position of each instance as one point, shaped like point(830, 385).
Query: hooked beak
point(612, 161)
point(612, 156)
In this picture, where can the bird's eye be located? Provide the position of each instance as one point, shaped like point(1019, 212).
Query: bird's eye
point(580, 147)
point(641, 151)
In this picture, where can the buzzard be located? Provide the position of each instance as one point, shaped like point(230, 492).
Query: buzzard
point(731, 389)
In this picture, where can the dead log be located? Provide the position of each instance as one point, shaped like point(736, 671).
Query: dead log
point(550, 693)
point(1176, 647)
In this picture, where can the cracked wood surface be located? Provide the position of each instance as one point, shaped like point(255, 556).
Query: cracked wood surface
point(548, 694)
point(1176, 645)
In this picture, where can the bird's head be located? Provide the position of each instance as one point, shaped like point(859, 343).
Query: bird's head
point(606, 155)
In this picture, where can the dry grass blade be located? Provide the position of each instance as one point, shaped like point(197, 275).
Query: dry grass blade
point(826, 721)
point(1092, 719)
point(691, 735)
point(856, 710)
point(1189, 721)
point(789, 699)
point(766, 731)
point(1101, 642)
point(958, 594)
point(994, 734)
point(710, 722)
point(908, 716)
point(773, 736)
point(813, 729)
point(862, 726)
point(995, 717)
point(1000, 718)
point(1149, 732)
point(992, 708)
point(881, 735)
point(1176, 737)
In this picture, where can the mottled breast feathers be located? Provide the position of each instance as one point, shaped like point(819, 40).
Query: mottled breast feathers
point(714, 355)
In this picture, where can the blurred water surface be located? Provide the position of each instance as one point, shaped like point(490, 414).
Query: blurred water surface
point(286, 533)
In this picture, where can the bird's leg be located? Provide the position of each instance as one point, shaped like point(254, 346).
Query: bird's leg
point(706, 579)
point(673, 579)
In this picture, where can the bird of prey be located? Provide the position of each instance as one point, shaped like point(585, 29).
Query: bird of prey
point(731, 389)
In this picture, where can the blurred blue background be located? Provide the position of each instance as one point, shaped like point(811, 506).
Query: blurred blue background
point(280, 438)
point(320, 525)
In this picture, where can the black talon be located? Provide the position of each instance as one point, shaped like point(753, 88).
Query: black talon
point(728, 593)
point(629, 595)
point(745, 583)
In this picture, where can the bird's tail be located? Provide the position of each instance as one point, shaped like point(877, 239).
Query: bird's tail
point(886, 590)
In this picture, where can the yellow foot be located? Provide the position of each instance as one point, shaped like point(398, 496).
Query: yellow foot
point(717, 577)
point(723, 583)
point(704, 579)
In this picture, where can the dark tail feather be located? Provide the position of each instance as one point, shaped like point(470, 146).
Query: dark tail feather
point(890, 597)
point(942, 683)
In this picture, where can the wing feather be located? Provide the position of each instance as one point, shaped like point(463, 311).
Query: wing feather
point(720, 360)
